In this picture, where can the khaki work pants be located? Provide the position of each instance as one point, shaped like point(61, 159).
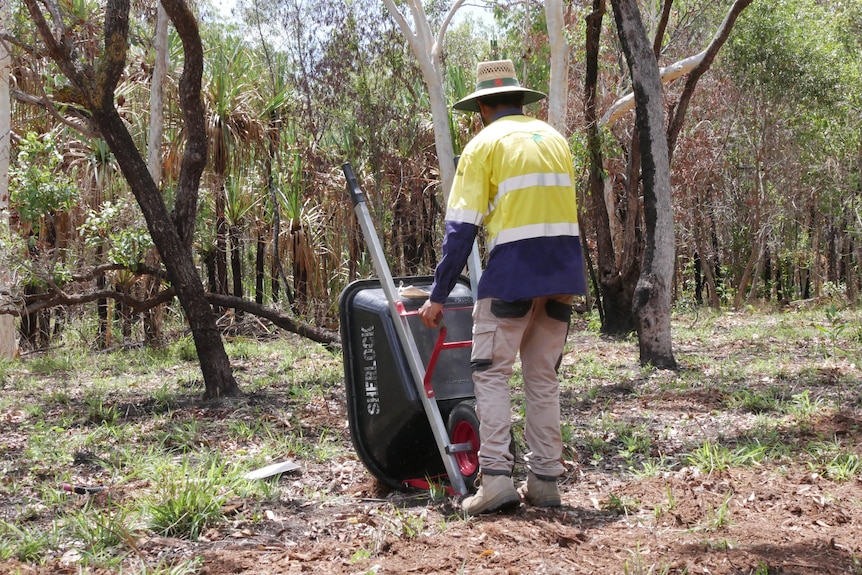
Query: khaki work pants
point(537, 329)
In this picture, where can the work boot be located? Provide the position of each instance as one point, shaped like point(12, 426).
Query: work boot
point(496, 493)
point(540, 493)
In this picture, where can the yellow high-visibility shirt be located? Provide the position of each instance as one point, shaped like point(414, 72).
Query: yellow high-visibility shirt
point(516, 178)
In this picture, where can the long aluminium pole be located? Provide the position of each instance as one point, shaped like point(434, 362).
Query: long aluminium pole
point(404, 334)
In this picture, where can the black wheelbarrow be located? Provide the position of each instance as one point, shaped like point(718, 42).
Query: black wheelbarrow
point(410, 402)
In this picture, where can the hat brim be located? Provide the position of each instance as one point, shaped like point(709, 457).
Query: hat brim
point(470, 103)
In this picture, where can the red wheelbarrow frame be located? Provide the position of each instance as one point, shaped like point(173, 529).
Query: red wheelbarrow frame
point(464, 437)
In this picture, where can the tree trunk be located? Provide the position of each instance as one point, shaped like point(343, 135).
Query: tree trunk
point(102, 307)
point(259, 266)
point(707, 258)
point(815, 274)
point(157, 91)
point(278, 275)
point(428, 51)
point(220, 249)
point(616, 282)
point(176, 255)
point(848, 266)
point(748, 271)
point(854, 251)
point(153, 317)
point(558, 98)
point(613, 296)
point(8, 337)
point(651, 302)
point(236, 260)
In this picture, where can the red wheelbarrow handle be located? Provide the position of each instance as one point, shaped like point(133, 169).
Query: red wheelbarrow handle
point(439, 346)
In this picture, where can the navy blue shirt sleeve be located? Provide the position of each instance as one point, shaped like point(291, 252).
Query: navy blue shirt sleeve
point(457, 245)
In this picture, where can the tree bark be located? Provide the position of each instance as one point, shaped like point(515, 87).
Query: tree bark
point(195, 153)
point(615, 289)
point(707, 257)
point(8, 337)
point(153, 318)
point(96, 91)
point(312, 332)
point(259, 266)
point(558, 98)
point(236, 259)
point(157, 95)
point(651, 302)
point(693, 66)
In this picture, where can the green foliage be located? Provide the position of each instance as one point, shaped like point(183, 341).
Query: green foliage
point(406, 524)
point(189, 499)
point(177, 464)
point(834, 329)
point(170, 566)
point(126, 239)
point(790, 43)
point(101, 533)
point(620, 504)
point(719, 517)
point(832, 460)
point(185, 350)
point(100, 411)
point(27, 544)
point(757, 401)
point(711, 456)
point(37, 183)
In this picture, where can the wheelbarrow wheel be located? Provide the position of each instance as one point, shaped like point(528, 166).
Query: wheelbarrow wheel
point(463, 428)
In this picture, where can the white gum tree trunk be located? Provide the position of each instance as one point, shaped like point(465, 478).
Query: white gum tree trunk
point(559, 82)
point(428, 49)
point(8, 335)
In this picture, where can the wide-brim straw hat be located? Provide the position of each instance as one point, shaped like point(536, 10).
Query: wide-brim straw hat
point(495, 77)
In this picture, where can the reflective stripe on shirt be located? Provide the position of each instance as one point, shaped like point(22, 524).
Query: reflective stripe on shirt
point(464, 216)
point(529, 180)
point(535, 231)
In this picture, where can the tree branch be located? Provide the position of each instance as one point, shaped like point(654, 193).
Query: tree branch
point(138, 269)
point(58, 298)
point(113, 58)
point(702, 66)
point(662, 28)
point(437, 48)
point(695, 66)
point(46, 104)
point(314, 333)
point(668, 74)
point(195, 154)
point(63, 54)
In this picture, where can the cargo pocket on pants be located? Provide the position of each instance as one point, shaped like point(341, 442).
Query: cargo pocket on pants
point(483, 347)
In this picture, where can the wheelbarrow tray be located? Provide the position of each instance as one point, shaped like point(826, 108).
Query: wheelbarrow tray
point(388, 424)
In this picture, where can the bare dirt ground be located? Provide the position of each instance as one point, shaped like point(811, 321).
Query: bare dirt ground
point(781, 516)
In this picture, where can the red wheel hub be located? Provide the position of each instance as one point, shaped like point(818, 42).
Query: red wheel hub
point(468, 461)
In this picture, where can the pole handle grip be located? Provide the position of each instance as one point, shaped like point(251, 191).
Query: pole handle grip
point(353, 189)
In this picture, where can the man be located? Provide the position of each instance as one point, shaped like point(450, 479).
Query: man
point(516, 179)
